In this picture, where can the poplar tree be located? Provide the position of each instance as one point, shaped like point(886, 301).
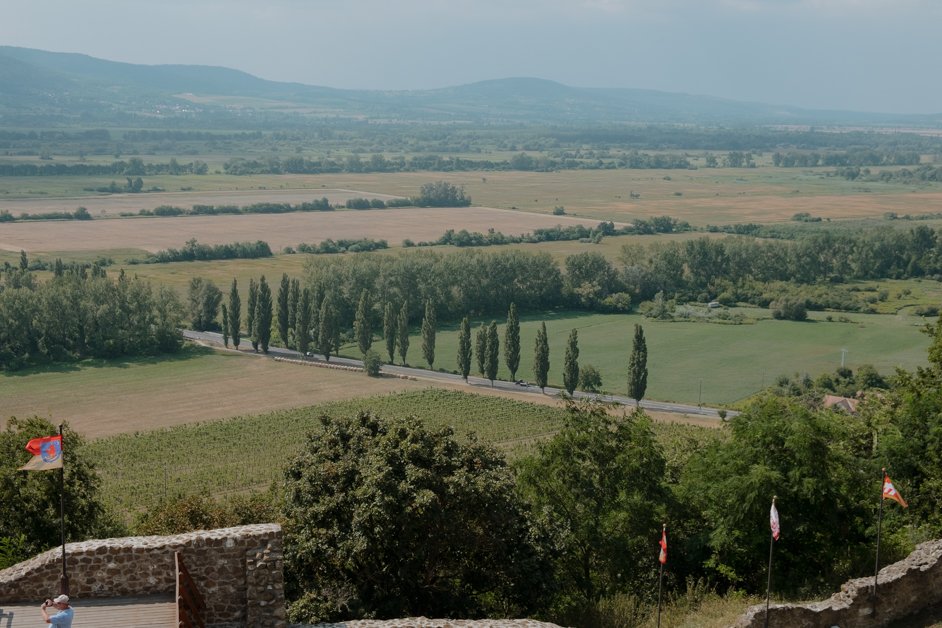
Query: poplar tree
point(428, 333)
point(541, 363)
point(225, 325)
point(403, 339)
point(571, 363)
point(492, 352)
point(464, 348)
point(302, 333)
point(512, 342)
point(294, 303)
point(638, 367)
point(283, 291)
point(328, 336)
point(235, 314)
point(480, 347)
point(263, 317)
point(251, 313)
point(389, 330)
point(362, 329)
point(317, 298)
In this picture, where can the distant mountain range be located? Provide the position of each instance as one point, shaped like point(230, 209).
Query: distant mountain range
point(39, 87)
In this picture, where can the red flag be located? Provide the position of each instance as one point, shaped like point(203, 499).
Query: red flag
point(889, 491)
point(663, 555)
point(773, 521)
point(47, 454)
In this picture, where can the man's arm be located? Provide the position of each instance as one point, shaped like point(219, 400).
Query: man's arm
point(45, 614)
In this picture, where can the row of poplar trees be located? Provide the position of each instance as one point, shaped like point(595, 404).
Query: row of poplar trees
point(307, 320)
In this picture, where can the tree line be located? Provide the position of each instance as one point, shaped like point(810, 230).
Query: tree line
point(79, 314)
point(134, 167)
point(194, 251)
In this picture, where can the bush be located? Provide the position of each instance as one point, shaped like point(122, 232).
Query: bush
point(789, 310)
point(372, 363)
point(590, 380)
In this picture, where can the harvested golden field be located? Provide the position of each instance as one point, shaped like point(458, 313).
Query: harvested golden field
point(112, 205)
point(279, 230)
point(701, 197)
point(144, 394)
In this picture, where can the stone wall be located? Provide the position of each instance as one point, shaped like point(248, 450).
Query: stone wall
point(904, 589)
point(238, 571)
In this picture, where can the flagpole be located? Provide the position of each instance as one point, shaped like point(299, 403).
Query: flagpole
point(660, 581)
point(768, 586)
point(64, 579)
point(876, 567)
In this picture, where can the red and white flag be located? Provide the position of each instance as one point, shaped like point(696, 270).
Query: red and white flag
point(663, 555)
point(47, 454)
point(890, 492)
point(773, 521)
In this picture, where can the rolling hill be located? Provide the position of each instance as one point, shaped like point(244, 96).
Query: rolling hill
point(40, 87)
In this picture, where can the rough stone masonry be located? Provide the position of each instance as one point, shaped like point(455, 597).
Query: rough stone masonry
point(238, 570)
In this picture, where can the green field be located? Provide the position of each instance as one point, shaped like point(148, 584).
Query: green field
point(250, 452)
point(730, 362)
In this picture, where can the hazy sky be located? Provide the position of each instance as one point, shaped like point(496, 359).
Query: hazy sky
point(865, 55)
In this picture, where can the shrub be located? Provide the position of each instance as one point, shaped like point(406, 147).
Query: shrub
point(372, 363)
point(789, 309)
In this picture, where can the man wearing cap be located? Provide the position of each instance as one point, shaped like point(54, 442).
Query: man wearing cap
point(63, 616)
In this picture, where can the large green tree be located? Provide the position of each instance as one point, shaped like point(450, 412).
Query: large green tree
point(251, 313)
point(512, 341)
point(294, 305)
point(541, 361)
point(428, 333)
point(203, 299)
point(638, 367)
point(263, 315)
point(284, 298)
point(235, 314)
point(402, 337)
point(464, 348)
point(362, 325)
point(908, 434)
point(224, 313)
point(384, 518)
point(480, 348)
point(827, 491)
point(491, 352)
point(302, 332)
point(29, 500)
point(328, 333)
point(600, 483)
point(389, 330)
point(571, 363)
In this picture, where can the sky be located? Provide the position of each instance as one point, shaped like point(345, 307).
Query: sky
point(861, 55)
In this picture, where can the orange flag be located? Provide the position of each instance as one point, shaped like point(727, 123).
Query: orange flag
point(890, 492)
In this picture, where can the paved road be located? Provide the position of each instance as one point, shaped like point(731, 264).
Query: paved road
point(647, 404)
